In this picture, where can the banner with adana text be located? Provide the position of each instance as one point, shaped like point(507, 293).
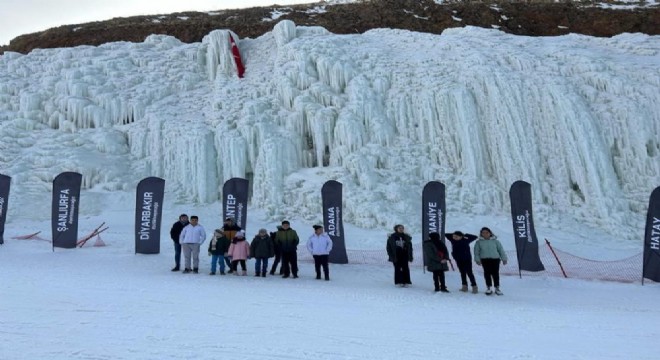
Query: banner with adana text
point(333, 220)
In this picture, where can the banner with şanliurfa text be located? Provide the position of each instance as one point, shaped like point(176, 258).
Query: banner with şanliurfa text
point(433, 210)
point(148, 214)
point(333, 220)
point(235, 200)
point(651, 267)
point(5, 182)
point(64, 210)
point(527, 244)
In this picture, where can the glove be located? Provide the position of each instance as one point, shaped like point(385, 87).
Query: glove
point(504, 262)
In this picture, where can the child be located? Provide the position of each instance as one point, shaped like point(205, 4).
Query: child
point(460, 250)
point(435, 257)
point(261, 249)
point(218, 246)
point(239, 250)
point(488, 252)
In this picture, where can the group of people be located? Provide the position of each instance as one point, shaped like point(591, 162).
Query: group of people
point(229, 248)
point(488, 252)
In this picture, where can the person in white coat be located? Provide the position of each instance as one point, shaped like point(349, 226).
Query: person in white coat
point(319, 245)
point(191, 238)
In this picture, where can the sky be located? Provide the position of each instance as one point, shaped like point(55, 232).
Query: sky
point(28, 16)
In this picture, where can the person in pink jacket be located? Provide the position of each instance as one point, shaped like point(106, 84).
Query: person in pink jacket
point(239, 250)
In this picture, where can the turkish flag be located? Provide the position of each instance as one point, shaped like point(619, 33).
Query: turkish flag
point(237, 57)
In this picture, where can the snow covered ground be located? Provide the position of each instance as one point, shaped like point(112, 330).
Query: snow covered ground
point(108, 303)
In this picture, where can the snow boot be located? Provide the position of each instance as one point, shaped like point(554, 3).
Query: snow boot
point(498, 291)
point(444, 290)
point(244, 273)
point(212, 273)
point(263, 274)
point(176, 268)
point(196, 270)
point(257, 275)
point(475, 289)
point(186, 271)
point(464, 288)
point(489, 292)
point(222, 272)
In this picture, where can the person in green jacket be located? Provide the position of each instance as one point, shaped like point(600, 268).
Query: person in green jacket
point(288, 240)
point(400, 253)
point(436, 257)
point(488, 252)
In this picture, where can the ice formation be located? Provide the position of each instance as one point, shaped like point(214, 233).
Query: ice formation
point(382, 112)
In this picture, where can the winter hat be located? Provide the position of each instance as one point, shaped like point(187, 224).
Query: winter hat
point(240, 234)
point(229, 219)
point(396, 227)
point(286, 222)
point(182, 215)
point(485, 229)
point(316, 227)
point(263, 231)
point(434, 236)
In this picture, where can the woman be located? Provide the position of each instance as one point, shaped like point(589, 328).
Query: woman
point(435, 258)
point(400, 253)
point(488, 252)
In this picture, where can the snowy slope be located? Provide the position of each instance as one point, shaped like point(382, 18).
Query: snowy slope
point(382, 112)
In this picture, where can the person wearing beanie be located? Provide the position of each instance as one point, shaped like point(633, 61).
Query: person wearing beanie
point(239, 250)
point(319, 245)
point(435, 259)
point(488, 252)
point(230, 228)
point(261, 249)
point(177, 227)
point(460, 250)
point(287, 239)
point(278, 251)
point(218, 246)
point(400, 253)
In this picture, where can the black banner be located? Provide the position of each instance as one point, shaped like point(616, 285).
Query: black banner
point(651, 267)
point(64, 214)
point(5, 181)
point(433, 210)
point(148, 213)
point(333, 220)
point(527, 245)
point(235, 200)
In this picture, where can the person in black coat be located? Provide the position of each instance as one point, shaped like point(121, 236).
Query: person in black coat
point(436, 257)
point(460, 250)
point(177, 227)
point(400, 253)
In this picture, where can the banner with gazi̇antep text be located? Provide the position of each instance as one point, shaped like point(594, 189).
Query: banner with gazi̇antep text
point(235, 200)
point(148, 214)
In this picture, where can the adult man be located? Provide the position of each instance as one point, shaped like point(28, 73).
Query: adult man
point(177, 227)
point(192, 236)
point(231, 229)
point(287, 239)
point(319, 245)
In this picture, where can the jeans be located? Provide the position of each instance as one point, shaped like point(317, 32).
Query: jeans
point(177, 254)
point(261, 265)
point(217, 259)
